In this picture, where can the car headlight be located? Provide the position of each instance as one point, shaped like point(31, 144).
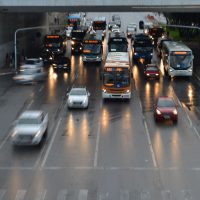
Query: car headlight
point(58, 50)
point(84, 101)
point(47, 49)
point(37, 134)
point(72, 48)
point(50, 58)
point(54, 64)
point(104, 90)
point(14, 134)
point(97, 57)
point(170, 70)
point(135, 53)
point(65, 65)
point(72, 42)
point(175, 112)
point(127, 91)
point(148, 74)
point(158, 112)
point(151, 54)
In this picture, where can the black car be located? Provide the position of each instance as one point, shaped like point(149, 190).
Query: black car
point(47, 56)
point(61, 63)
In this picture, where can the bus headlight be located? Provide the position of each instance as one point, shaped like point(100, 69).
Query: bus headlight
point(127, 91)
point(104, 90)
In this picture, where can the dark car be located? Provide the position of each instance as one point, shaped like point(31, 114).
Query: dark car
point(151, 71)
point(61, 63)
point(165, 109)
point(47, 56)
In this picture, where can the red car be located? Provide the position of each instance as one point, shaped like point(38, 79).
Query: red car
point(152, 71)
point(165, 109)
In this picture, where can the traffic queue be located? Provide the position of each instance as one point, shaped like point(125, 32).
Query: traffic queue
point(87, 40)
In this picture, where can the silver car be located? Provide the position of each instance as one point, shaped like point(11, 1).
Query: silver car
point(30, 128)
point(78, 98)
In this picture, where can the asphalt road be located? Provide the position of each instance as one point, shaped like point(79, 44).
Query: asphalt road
point(112, 150)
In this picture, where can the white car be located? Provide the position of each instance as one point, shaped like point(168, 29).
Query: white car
point(32, 63)
point(78, 97)
point(30, 128)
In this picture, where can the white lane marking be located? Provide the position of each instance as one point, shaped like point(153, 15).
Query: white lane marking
point(150, 144)
point(83, 195)
point(124, 195)
point(4, 140)
point(41, 88)
point(103, 196)
point(187, 195)
point(140, 103)
point(2, 193)
point(6, 73)
point(190, 121)
point(166, 195)
point(51, 143)
point(16, 168)
point(97, 145)
point(145, 195)
point(41, 195)
point(62, 195)
point(97, 141)
point(30, 104)
point(197, 133)
point(20, 194)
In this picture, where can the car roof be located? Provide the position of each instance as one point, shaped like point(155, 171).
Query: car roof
point(31, 114)
point(78, 88)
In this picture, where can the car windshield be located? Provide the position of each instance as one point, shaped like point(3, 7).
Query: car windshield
point(166, 103)
point(152, 68)
point(78, 92)
point(27, 121)
point(30, 62)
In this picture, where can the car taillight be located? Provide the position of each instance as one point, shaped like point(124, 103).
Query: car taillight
point(158, 112)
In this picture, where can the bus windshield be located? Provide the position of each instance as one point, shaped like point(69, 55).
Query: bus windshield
point(92, 48)
point(116, 79)
point(143, 49)
point(180, 61)
point(117, 47)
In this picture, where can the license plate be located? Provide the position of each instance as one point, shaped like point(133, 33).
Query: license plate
point(166, 116)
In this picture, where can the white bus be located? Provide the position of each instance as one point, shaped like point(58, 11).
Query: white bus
point(117, 76)
point(177, 59)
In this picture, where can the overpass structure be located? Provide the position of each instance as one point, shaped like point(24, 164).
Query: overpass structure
point(99, 5)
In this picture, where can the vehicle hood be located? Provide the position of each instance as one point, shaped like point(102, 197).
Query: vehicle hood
point(26, 129)
point(28, 66)
point(77, 98)
point(166, 109)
